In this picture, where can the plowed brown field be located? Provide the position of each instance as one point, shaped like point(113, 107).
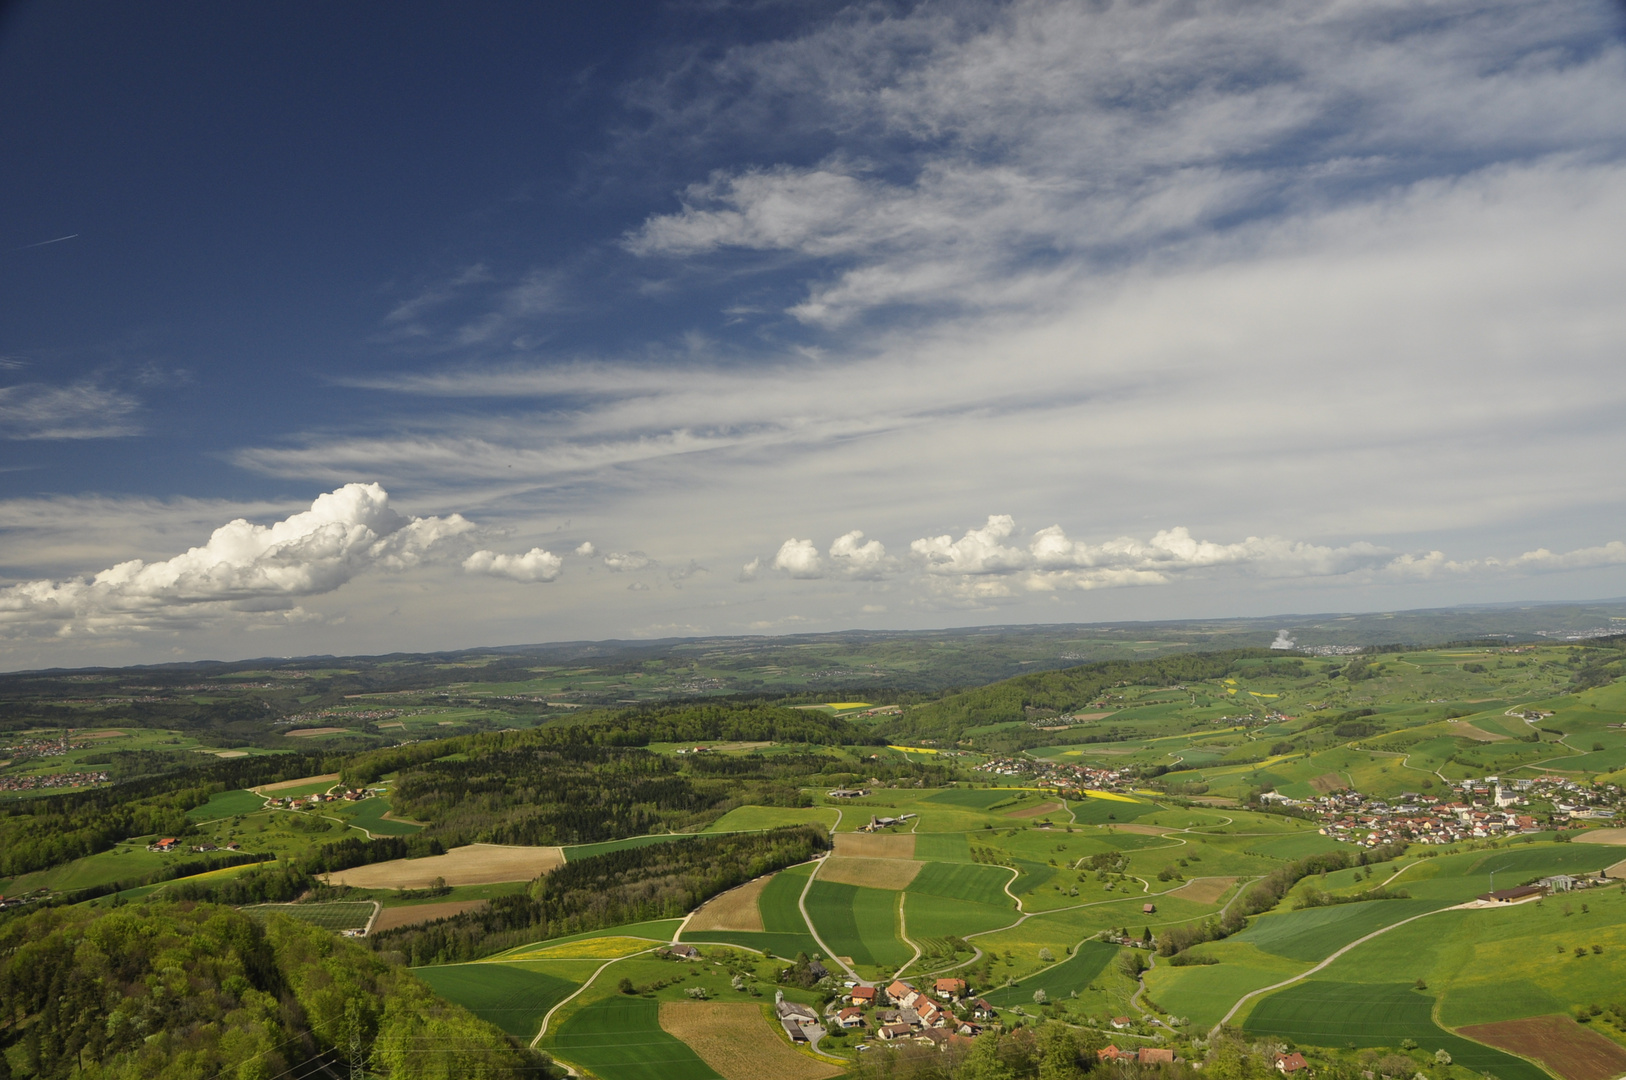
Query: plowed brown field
point(475, 864)
point(328, 778)
point(875, 845)
point(872, 873)
point(393, 918)
point(1559, 1043)
point(1204, 890)
point(735, 909)
point(735, 1039)
point(1038, 811)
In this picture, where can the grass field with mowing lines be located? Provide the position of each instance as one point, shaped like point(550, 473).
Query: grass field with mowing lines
point(778, 902)
point(1316, 933)
point(620, 1038)
point(1058, 980)
point(1337, 1014)
point(599, 948)
point(931, 916)
point(979, 884)
point(513, 998)
point(858, 922)
point(226, 804)
point(942, 847)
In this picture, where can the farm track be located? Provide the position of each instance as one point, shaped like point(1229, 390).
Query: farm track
point(547, 1019)
point(801, 903)
point(1311, 971)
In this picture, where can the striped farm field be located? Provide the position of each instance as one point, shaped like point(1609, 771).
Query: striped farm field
point(513, 998)
point(973, 882)
point(338, 915)
point(755, 818)
point(932, 916)
point(858, 922)
point(1317, 933)
point(620, 1038)
point(226, 804)
point(1337, 1014)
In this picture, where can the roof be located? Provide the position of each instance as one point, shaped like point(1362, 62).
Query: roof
point(1519, 893)
point(1291, 1062)
point(1153, 1054)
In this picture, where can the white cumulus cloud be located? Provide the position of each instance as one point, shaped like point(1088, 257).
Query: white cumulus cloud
point(586, 549)
point(243, 567)
point(860, 560)
point(799, 559)
point(534, 565)
point(627, 561)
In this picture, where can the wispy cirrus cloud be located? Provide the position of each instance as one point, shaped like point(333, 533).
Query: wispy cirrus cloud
point(84, 410)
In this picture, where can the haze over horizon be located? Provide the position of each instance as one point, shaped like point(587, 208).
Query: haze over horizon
point(329, 330)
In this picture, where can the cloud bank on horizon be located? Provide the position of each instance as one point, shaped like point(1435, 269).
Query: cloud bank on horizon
point(255, 571)
point(926, 313)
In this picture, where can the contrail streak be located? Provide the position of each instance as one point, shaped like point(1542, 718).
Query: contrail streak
point(42, 243)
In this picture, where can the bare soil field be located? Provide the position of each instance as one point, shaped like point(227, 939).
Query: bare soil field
point(326, 778)
point(393, 918)
point(1038, 811)
point(104, 735)
point(1467, 731)
point(1557, 1042)
point(307, 732)
point(1142, 830)
point(736, 1041)
point(873, 873)
point(475, 864)
point(1602, 836)
point(1328, 782)
point(735, 909)
point(875, 845)
point(1204, 890)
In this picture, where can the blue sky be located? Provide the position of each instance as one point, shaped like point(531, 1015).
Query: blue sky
point(516, 322)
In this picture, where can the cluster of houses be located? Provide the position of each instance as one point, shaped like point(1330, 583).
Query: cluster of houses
point(943, 1016)
point(1475, 809)
point(52, 780)
point(305, 802)
point(171, 843)
point(1059, 774)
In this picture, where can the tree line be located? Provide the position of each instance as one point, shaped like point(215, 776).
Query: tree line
point(657, 881)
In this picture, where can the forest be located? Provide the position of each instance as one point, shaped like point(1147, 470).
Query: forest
point(632, 885)
point(195, 992)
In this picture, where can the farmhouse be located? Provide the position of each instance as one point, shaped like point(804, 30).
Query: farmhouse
point(862, 995)
point(685, 952)
point(1148, 909)
point(949, 989)
point(902, 993)
point(850, 1017)
point(1515, 896)
point(1120, 1022)
point(894, 1031)
point(1155, 1055)
point(1111, 1053)
point(1291, 1063)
